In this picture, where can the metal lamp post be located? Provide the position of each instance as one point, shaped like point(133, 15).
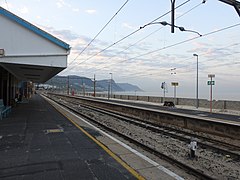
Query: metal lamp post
point(197, 101)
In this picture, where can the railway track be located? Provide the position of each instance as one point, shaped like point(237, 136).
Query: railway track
point(203, 142)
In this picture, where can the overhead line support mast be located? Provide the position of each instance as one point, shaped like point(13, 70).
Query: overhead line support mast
point(172, 15)
point(234, 3)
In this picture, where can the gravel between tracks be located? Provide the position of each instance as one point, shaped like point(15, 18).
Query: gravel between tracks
point(215, 164)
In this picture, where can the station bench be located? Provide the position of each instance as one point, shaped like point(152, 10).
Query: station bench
point(169, 104)
point(4, 110)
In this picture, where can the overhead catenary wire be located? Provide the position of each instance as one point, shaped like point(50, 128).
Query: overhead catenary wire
point(181, 72)
point(148, 35)
point(131, 33)
point(100, 31)
point(133, 75)
point(178, 67)
point(136, 75)
point(215, 65)
point(182, 42)
point(207, 34)
point(68, 69)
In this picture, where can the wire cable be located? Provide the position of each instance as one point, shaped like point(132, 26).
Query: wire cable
point(150, 33)
point(124, 37)
point(100, 31)
point(182, 42)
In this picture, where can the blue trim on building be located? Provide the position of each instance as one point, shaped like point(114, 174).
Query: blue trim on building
point(33, 28)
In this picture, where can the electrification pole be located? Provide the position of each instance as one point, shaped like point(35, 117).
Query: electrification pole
point(68, 86)
point(172, 15)
point(211, 83)
point(111, 84)
point(94, 86)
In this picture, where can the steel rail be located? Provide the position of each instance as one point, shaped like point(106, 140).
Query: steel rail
point(188, 169)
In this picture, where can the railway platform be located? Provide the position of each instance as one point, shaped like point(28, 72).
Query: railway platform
point(37, 141)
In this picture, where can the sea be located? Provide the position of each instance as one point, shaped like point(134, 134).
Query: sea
point(216, 96)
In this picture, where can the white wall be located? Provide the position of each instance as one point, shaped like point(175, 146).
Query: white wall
point(22, 46)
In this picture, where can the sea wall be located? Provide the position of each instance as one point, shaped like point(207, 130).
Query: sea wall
point(204, 103)
point(220, 104)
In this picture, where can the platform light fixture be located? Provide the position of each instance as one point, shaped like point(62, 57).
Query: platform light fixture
point(164, 23)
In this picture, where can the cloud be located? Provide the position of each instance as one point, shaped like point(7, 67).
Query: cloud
point(75, 10)
point(76, 42)
point(153, 66)
point(210, 51)
point(6, 5)
point(90, 11)
point(24, 10)
point(128, 26)
point(60, 3)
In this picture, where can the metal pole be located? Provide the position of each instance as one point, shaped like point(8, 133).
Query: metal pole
point(94, 86)
point(83, 89)
point(197, 100)
point(111, 85)
point(175, 95)
point(211, 96)
point(172, 15)
point(164, 91)
point(108, 89)
point(197, 85)
point(68, 86)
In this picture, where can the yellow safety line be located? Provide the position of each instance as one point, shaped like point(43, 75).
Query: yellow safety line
point(114, 156)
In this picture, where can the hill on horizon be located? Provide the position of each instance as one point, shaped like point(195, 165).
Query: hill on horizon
point(78, 82)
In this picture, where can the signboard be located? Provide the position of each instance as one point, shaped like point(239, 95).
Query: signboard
point(211, 75)
point(211, 82)
point(174, 83)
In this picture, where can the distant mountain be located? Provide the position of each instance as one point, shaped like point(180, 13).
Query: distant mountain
point(78, 82)
point(105, 84)
point(129, 87)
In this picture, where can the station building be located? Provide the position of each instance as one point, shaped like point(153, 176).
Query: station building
point(27, 55)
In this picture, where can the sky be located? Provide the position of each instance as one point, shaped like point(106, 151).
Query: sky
point(105, 37)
